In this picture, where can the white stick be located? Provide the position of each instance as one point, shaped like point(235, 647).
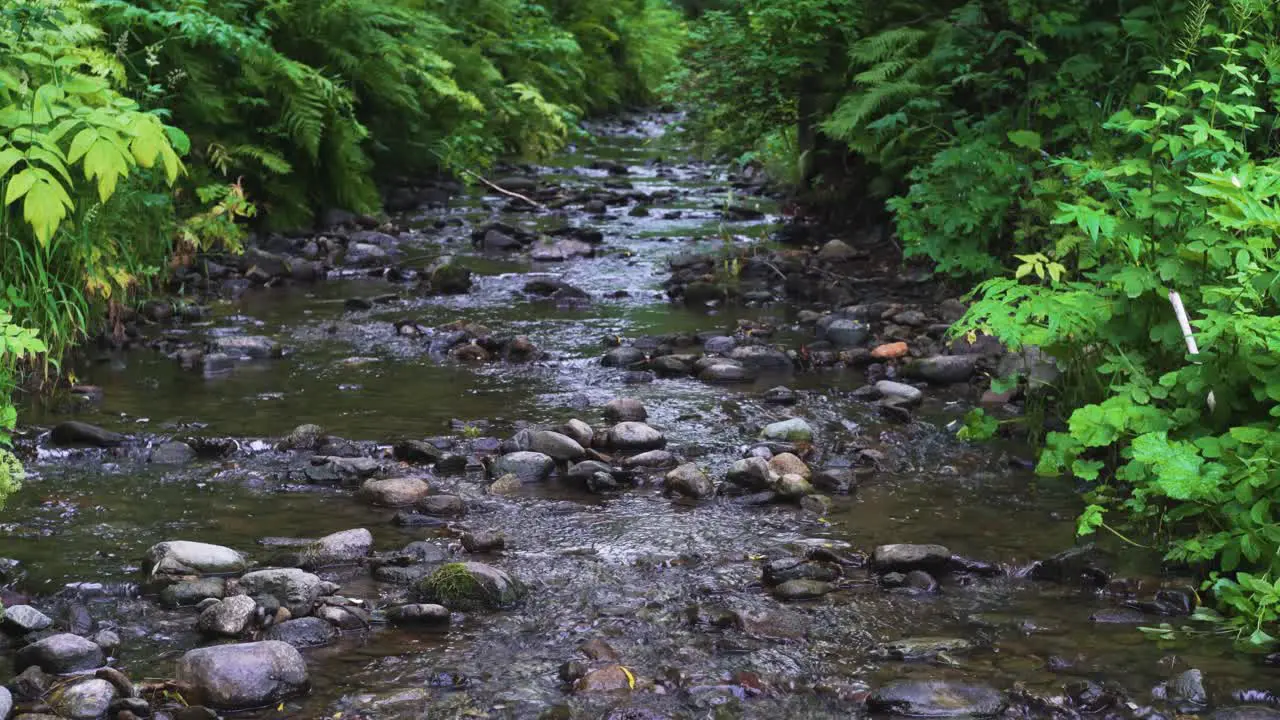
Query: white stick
point(1181, 312)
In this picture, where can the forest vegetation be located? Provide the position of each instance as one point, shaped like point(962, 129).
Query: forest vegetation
point(1075, 162)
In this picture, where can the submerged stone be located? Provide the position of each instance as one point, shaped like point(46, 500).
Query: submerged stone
point(936, 699)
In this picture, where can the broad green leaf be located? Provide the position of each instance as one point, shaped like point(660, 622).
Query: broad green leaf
point(1025, 139)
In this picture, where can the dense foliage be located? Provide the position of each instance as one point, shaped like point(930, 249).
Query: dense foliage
point(135, 132)
point(1083, 161)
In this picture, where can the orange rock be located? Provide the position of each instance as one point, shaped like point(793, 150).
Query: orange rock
point(892, 351)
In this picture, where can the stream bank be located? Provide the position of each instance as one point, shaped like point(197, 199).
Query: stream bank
point(722, 560)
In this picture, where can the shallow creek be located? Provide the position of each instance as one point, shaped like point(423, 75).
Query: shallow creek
point(649, 575)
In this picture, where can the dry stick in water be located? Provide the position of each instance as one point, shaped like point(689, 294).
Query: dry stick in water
point(1181, 312)
point(494, 186)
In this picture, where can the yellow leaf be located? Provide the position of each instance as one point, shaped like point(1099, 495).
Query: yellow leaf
point(631, 679)
point(280, 707)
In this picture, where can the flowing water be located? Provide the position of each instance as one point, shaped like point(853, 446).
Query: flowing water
point(651, 576)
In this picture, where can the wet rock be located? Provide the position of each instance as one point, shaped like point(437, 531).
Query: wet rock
point(191, 592)
point(23, 619)
point(442, 506)
point(837, 251)
point(6, 702)
point(470, 586)
point(635, 437)
point(253, 347)
point(689, 480)
point(836, 480)
point(183, 557)
point(172, 453)
point(613, 678)
point(394, 492)
point(343, 617)
point(107, 640)
point(363, 254)
point(77, 618)
point(921, 648)
point(406, 575)
point(944, 369)
point(1118, 616)
point(625, 410)
point(623, 357)
point(762, 359)
point(900, 392)
point(780, 396)
point(84, 700)
point(242, 676)
point(294, 589)
point(720, 344)
point(579, 432)
point(817, 504)
point(936, 698)
point(725, 372)
point(508, 484)
point(598, 650)
point(74, 432)
point(417, 452)
point(450, 278)
point(845, 333)
point(60, 655)
point(1187, 690)
point(916, 582)
point(30, 684)
point(326, 469)
point(793, 430)
point(303, 437)
point(483, 541)
point(802, 589)
point(906, 557)
point(653, 459)
point(788, 464)
point(783, 570)
point(419, 614)
point(340, 548)
point(227, 618)
point(1085, 564)
point(560, 448)
point(752, 474)
point(793, 487)
point(530, 467)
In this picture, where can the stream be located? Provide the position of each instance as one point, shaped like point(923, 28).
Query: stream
point(671, 588)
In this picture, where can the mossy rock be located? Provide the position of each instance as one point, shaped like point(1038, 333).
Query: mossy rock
point(470, 586)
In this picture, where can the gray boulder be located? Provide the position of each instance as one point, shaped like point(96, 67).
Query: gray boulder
point(528, 466)
point(907, 557)
point(60, 655)
point(900, 392)
point(560, 448)
point(689, 480)
point(191, 592)
point(182, 557)
point(233, 677)
point(845, 333)
point(247, 346)
point(762, 359)
point(751, 473)
point(303, 632)
point(625, 410)
point(84, 700)
point(470, 586)
point(944, 369)
point(295, 589)
point(227, 618)
point(725, 372)
point(6, 702)
point(635, 437)
point(340, 548)
point(172, 453)
point(23, 619)
point(419, 614)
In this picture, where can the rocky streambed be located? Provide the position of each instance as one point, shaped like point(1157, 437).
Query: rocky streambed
point(634, 447)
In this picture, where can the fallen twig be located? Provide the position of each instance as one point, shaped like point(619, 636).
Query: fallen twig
point(1181, 312)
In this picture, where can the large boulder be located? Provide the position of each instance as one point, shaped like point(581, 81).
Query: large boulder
point(558, 447)
point(625, 410)
point(635, 437)
point(295, 589)
point(762, 359)
point(528, 466)
point(61, 655)
point(177, 558)
point(689, 480)
point(84, 700)
point(944, 369)
point(906, 557)
point(752, 474)
point(394, 492)
point(340, 548)
point(23, 619)
point(793, 430)
point(234, 677)
point(470, 586)
point(303, 632)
